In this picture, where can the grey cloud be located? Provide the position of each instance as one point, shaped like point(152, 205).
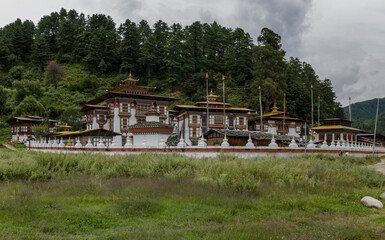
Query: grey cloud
point(287, 18)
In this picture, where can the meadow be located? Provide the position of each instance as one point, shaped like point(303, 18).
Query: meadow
point(150, 196)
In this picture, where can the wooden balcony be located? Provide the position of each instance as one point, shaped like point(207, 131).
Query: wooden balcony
point(124, 114)
point(240, 126)
point(194, 125)
point(217, 126)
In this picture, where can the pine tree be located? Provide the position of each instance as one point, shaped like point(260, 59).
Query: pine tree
point(129, 47)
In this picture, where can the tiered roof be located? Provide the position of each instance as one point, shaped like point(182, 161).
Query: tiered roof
point(127, 89)
point(213, 105)
point(279, 115)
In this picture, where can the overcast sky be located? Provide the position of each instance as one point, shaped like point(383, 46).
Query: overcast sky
point(343, 40)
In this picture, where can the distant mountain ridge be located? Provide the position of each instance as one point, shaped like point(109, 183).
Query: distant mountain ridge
point(365, 110)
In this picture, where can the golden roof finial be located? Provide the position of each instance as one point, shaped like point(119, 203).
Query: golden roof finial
point(275, 108)
point(130, 75)
point(207, 75)
point(211, 92)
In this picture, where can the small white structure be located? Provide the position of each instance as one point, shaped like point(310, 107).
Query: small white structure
point(273, 144)
point(78, 144)
point(250, 143)
point(225, 143)
point(324, 144)
point(293, 143)
point(55, 144)
point(311, 144)
point(128, 143)
point(181, 143)
point(61, 143)
point(101, 143)
point(89, 143)
point(202, 142)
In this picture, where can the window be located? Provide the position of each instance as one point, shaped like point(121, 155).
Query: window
point(102, 117)
point(111, 108)
point(218, 119)
point(194, 133)
point(231, 121)
point(141, 120)
point(125, 107)
point(241, 121)
point(142, 108)
point(23, 129)
point(161, 110)
point(194, 119)
point(266, 127)
point(124, 123)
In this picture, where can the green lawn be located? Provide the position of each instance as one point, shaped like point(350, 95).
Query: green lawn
point(51, 196)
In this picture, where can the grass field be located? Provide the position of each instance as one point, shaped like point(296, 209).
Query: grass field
point(51, 196)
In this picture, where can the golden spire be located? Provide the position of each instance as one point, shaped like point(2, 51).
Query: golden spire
point(259, 87)
point(211, 92)
point(223, 78)
point(130, 76)
point(207, 75)
point(275, 108)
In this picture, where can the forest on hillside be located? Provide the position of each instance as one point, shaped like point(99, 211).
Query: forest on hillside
point(364, 115)
point(53, 67)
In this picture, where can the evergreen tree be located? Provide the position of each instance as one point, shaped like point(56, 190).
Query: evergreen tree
point(41, 52)
point(174, 56)
point(129, 47)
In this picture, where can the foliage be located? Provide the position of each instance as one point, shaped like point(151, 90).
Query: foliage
point(73, 117)
point(5, 134)
point(3, 99)
point(364, 115)
point(41, 130)
point(92, 51)
point(365, 110)
point(30, 106)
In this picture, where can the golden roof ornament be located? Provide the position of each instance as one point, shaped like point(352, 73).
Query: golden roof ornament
point(275, 108)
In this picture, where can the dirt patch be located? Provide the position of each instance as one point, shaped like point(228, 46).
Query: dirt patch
point(379, 167)
point(8, 146)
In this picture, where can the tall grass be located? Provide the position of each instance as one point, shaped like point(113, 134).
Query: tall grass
point(310, 173)
point(150, 196)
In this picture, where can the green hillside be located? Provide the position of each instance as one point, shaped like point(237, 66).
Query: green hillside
point(365, 110)
point(364, 114)
point(53, 67)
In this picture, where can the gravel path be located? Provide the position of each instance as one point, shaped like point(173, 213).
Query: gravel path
point(379, 167)
point(8, 146)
